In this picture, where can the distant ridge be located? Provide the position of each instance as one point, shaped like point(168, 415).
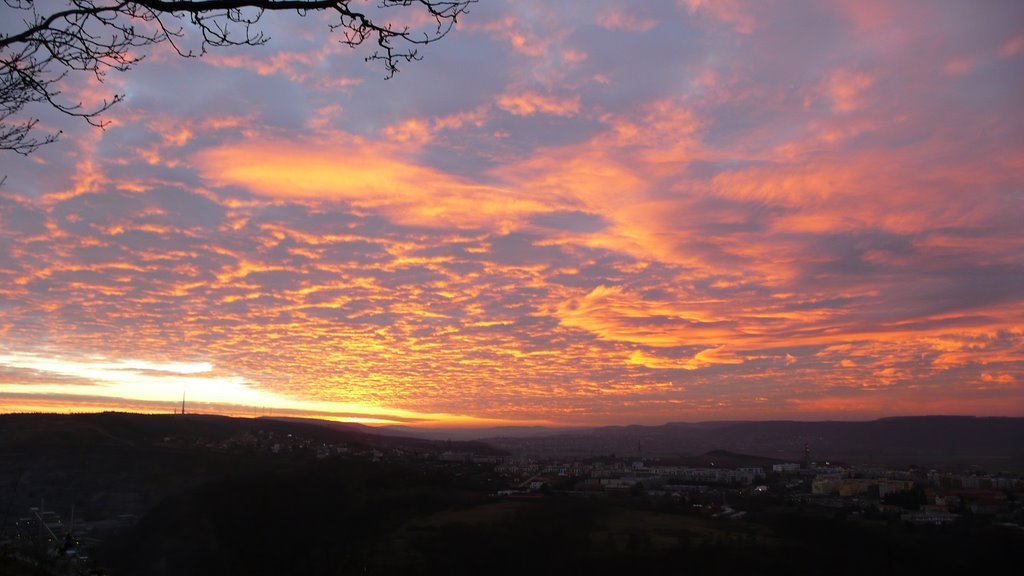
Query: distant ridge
point(920, 439)
point(475, 433)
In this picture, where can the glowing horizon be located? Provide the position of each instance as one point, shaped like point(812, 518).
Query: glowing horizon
point(567, 215)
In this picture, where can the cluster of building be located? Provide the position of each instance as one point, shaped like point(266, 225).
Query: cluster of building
point(915, 495)
point(43, 543)
point(938, 497)
point(273, 442)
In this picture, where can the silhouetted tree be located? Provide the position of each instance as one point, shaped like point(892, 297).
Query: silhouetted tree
point(42, 40)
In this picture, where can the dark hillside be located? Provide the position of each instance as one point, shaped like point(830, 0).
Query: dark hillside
point(316, 518)
point(110, 464)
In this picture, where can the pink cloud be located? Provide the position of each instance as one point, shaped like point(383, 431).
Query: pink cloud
point(1012, 47)
point(623, 19)
point(847, 90)
point(958, 66)
point(732, 12)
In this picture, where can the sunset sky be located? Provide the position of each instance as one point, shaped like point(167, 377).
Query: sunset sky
point(568, 213)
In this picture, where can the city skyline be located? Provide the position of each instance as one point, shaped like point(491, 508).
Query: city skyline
point(571, 214)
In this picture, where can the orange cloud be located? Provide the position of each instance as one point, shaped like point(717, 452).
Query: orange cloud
point(413, 131)
point(370, 176)
point(421, 131)
point(529, 103)
point(616, 315)
point(702, 359)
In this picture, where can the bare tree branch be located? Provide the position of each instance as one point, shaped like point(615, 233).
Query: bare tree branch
point(97, 36)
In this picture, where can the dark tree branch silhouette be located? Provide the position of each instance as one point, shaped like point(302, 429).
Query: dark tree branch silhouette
point(97, 36)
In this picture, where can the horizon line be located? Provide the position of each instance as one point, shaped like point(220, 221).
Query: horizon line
point(430, 426)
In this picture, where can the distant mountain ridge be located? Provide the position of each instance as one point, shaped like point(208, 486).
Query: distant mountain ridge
point(926, 439)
